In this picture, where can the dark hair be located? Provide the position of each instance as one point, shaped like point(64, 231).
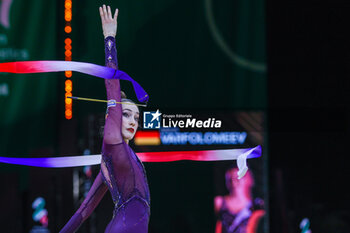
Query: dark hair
point(125, 99)
point(122, 94)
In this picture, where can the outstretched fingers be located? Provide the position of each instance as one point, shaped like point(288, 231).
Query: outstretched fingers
point(106, 13)
point(109, 21)
point(109, 12)
point(101, 14)
point(116, 14)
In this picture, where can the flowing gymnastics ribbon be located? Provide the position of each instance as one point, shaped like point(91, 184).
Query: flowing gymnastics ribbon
point(167, 156)
point(242, 164)
point(26, 67)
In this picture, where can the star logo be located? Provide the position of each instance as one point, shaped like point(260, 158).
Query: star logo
point(151, 120)
point(156, 115)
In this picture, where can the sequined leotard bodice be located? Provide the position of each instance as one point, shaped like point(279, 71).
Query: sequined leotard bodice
point(234, 223)
point(121, 171)
point(127, 183)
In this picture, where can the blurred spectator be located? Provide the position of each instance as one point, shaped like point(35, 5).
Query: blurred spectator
point(236, 212)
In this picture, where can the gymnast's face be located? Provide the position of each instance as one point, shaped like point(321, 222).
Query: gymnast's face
point(130, 121)
point(232, 181)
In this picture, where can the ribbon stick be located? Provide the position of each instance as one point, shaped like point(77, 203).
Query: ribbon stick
point(103, 101)
point(26, 67)
point(167, 156)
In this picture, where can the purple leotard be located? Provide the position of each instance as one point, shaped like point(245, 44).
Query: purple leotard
point(121, 171)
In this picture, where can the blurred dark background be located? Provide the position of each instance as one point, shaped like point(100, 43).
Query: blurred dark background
point(287, 59)
point(308, 95)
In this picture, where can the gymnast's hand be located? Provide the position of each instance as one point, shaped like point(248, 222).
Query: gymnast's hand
point(109, 23)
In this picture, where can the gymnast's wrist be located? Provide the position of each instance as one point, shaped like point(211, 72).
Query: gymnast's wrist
point(109, 35)
point(109, 38)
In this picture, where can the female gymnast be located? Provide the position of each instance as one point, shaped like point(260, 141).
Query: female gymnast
point(121, 170)
point(235, 209)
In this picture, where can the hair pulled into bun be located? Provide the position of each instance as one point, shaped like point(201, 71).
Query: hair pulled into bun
point(124, 98)
point(122, 94)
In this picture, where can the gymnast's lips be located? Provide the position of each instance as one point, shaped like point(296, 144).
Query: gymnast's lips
point(131, 130)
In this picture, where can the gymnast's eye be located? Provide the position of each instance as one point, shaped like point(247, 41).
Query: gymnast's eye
point(125, 114)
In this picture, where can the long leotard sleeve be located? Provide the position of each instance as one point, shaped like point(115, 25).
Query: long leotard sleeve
point(96, 193)
point(98, 188)
point(122, 171)
point(112, 130)
point(121, 168)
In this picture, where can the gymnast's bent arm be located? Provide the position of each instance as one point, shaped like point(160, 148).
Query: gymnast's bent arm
point(96, 193)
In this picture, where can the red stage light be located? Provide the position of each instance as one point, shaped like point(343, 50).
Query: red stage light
point(68, 87)
point(68, 29)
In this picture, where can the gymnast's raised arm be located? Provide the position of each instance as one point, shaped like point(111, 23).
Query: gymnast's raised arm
point(113, 124)
point(112, 133)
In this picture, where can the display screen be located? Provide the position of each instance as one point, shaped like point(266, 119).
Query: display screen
point(209, 191)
